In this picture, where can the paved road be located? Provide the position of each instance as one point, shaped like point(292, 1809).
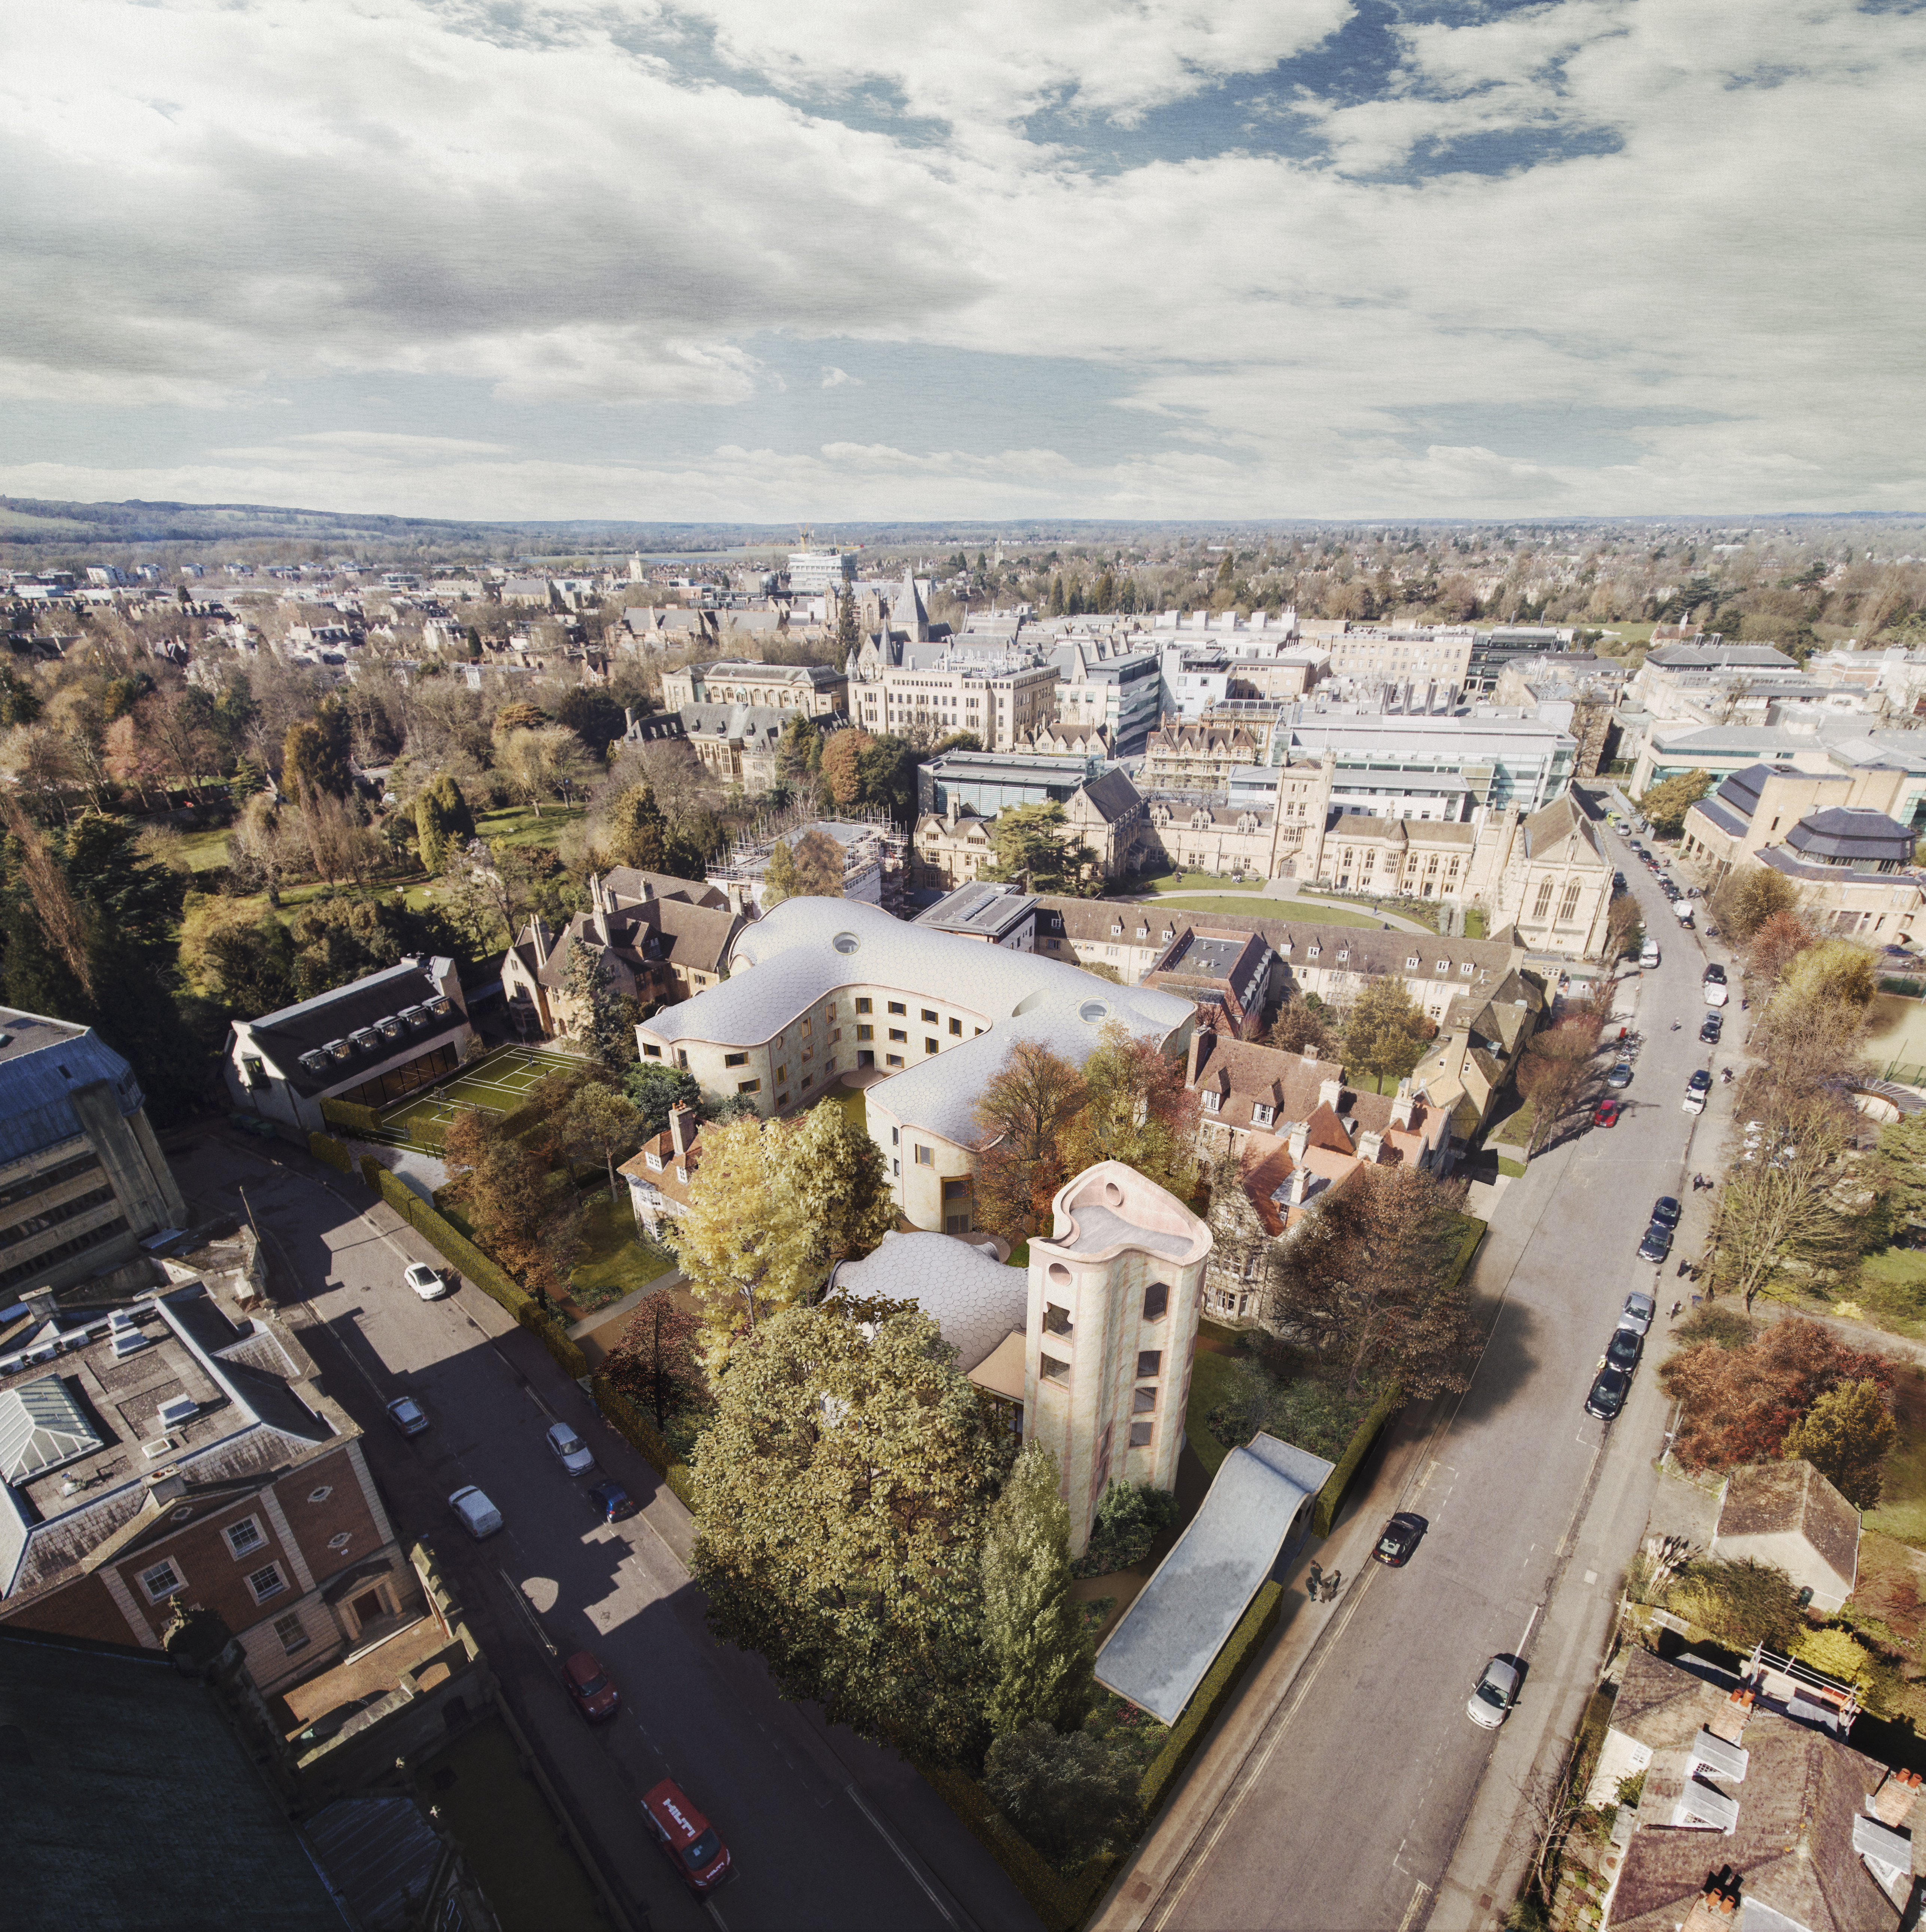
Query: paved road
point(826, 1831)
point(1373, 1764)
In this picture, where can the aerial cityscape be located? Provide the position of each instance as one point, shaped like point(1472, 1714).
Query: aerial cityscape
point(963, 969)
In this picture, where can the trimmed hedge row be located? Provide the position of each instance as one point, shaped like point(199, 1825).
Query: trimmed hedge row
point(1331, 1496)
point(1061, 1903)
point(332, 1151)
point(350, 1114)
point(631, 1423)
point(1211, 1697)
point(487, 1275)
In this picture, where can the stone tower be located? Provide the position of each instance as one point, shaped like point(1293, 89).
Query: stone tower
point(1114, 1292)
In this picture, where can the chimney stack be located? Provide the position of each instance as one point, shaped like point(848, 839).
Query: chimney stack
point(1299, 1181)
point(1202, 1042)
point(1329, 1094)
point(1402, 1105)
point(682, 1137)
point(1298, 1138)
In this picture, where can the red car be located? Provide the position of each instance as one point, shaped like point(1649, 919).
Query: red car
point(595, 1697)
point(1607, 1115)
point(693, 1845)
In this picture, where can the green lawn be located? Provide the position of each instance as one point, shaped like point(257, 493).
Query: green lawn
point(497, 1814)
point(1156, 885)
point(1270, 908)
point(1210, 1377)
point(205, 851)
point(521, 825)
point(1902, 1510)
point(618, 1261)
point(1891, 1290)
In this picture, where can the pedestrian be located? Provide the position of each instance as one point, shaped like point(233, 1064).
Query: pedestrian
point(1313, 1580)
point(1685, 1268)
point(1330, 1584)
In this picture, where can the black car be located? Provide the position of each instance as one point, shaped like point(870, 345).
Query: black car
point(1401, 1537)
point(1710, 1032)
point(1658, 1243)
point(611, 1502)
point(1665, 1212)
point(1715, 974)
point(1624, 1349)
point(1618, 882)
point(1701, 1082)
point(1608, 1394)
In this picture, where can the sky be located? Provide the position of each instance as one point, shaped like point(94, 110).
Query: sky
point(751, 260)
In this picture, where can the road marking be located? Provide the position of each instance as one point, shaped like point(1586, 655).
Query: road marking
point(709, 1906)
point(1592, 1576)
point(1527, 1637)
point(1410, 1910)
point(889, 1838)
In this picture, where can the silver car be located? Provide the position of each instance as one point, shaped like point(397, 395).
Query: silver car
point(1496, 1693)
point(570, 1451)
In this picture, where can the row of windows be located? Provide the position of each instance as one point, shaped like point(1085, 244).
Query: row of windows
point(47, 1179)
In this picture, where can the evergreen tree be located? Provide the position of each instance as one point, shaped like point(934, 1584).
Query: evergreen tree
point(442, 822)
point(636, 831)
point(655, 1088)
point(1072, 1797)
point(1385, 1031)
point(780, 880)
point(839, 1171)
point(315, 755)
point(1057, 594)
point(848, 638)
point(600, 1024)
point(1032, 1627)
point(1667, 803)
point(1846, 1436)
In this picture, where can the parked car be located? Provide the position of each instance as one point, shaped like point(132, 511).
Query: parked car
point(1665, 1211)
point(1714, 1027)
point(1700, 1080)
point(479, 1516)
point(1715, 974)
point(1639, 1309)
point(1400, 1539)
point(1607, 1113)
point(407, 1415)
point(1621, 1074)
point(1658, 1243)
point(1618, 882)
point(427, 1282)
point(693, 1845)
point(1624, 1349)
point(1608, 1394)
point(569, 1450)
point(611, 1501)
point(1697, 1088)
point(1494, 1694)
point(1648, 955)
point(595, 1697)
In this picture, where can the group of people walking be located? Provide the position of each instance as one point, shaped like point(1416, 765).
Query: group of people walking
point(1320, 1587)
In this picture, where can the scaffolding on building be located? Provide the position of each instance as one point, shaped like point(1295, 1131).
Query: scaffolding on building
point(879, 846)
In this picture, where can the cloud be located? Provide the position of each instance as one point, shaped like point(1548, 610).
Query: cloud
point(1686, 216)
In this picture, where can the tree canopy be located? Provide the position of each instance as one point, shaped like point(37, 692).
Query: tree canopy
point(1032, 843)
point(1667, 803)
point(1385, 1029)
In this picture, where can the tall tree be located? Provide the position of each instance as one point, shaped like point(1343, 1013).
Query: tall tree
point(1782, 1220)
point(1071, 1796)
point(779, 875)
point(1749, 897)
point(843, 1487)
point(1302, 1027)
point(1023, 1113)
point(598, 1124)
point(654, 1362)
point(1846, 1436)
point(536, 763)
point(602, 1025)
point(1032, 843)
point(1667, 803)
point(315, 755)
point(1038, 1645)
point(842, 763)
point(1368, 1278)
point(1136, 1109)
point(819, 866)
point(1385, 1029)
point(443, 823)
point(655, 1088)
point(636, 831)
point(1778, 939)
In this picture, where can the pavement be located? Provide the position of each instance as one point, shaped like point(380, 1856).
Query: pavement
point(1348, 1788)
point(826, 1830)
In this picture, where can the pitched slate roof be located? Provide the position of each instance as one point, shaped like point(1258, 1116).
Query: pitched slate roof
point(1113, 795)
point(41, 1063)
point(346, 1010)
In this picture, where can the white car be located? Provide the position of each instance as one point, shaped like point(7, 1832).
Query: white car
point(1494, 1695)
point(479, 1516)
point(570, 1450)
point(426, 1281)
point(1640, 1308)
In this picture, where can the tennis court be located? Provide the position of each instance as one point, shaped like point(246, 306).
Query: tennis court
point(496, 1083)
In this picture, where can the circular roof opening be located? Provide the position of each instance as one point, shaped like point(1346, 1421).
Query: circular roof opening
point(1094, 1010)
point(1113, 1194)
point(845, 942)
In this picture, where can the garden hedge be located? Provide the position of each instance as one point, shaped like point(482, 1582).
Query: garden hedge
point(332, 1151)
point(351, 1115)
point(1211, 1697)
point(486, 1274)
point(630, 1422)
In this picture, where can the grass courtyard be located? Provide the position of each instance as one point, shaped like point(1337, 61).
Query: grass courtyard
point(498, 1083)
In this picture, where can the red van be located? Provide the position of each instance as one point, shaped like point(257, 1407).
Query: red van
point(691, 1841)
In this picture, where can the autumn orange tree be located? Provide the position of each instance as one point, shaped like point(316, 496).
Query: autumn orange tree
point(1025, 1115)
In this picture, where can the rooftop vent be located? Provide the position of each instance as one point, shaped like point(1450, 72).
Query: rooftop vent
point(121, 1318)
point(177, 1411)
point(128, 1342)
point(1094, 1010)
point(161, 1445)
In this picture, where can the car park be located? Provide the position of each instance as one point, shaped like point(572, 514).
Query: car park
point(1624, 1349)
point(595, 1696)
point(1713, 1027)
point(1494, 1694)
point(1665, 1211)
point(1621, 1074)
point(427, 1282)
point(695, 1846)
point(407, 1415)
point(1609, 1389)
point(478, 1515)
point(1657, 1244)
point(611, 1501)
point(1400, 1537)
point(1606, 1115)
point(569, 1450)
point(1639, 1309)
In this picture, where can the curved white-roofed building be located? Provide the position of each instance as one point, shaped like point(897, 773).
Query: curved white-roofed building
point(822, 989)
point(976, 1301)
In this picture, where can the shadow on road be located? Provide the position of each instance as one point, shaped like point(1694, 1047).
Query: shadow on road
point(1510, 1357)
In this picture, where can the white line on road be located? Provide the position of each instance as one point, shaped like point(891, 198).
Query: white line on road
point(709, 1906)
point(1529, 1622)
point(1410, 1911)
point(889, 1838)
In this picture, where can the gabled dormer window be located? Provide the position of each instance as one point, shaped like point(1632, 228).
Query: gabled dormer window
point(1212, 1101)
point(1260, 1115)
